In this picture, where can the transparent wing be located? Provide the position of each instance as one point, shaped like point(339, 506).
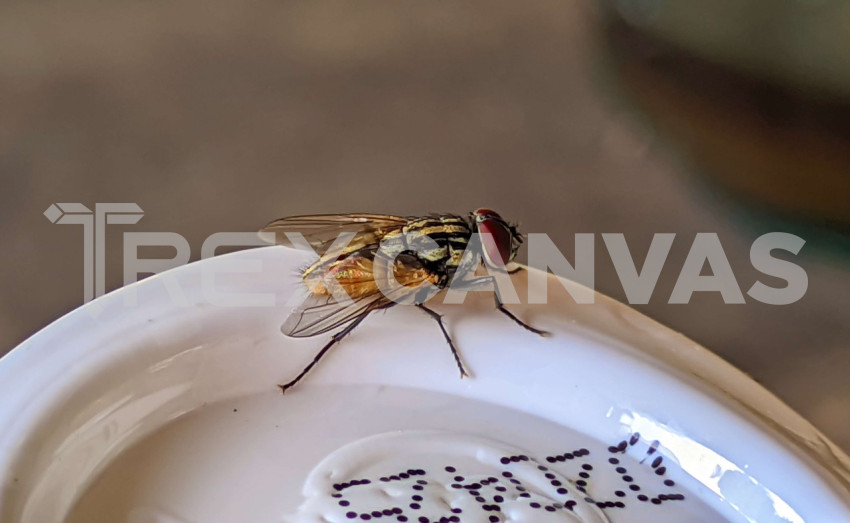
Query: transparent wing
point(320, 230)
point(320, 312)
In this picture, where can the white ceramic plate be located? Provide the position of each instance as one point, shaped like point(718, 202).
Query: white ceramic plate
point(168, 411)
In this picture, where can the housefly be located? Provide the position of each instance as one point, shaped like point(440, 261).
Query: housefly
point(422, 254)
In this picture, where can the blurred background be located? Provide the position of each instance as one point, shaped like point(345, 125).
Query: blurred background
point(633, 116)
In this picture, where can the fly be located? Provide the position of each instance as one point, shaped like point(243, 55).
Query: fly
point(419, 252)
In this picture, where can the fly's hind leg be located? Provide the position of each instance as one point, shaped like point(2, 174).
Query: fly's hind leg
point(334, 340)
point(439, 318)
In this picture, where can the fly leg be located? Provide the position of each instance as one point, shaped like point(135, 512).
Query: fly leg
point(334, 340)
point(439, 317)
point(482, 281)
point(509, 314)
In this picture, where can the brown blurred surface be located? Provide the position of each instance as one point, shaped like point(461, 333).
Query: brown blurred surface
point(219, 116)
point(764, 141)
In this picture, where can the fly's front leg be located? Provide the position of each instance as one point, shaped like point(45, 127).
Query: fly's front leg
point(509, 314)
point(483, 281)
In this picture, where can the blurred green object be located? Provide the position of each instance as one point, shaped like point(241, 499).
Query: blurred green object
point(757, 91)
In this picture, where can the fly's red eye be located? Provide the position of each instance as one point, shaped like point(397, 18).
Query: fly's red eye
point(485, 213)
point(497, 241)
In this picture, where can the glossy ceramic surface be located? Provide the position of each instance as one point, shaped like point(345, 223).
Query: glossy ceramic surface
point(153, 404)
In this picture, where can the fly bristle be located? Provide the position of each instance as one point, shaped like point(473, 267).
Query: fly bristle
point(514, 226)
point(301, 269)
